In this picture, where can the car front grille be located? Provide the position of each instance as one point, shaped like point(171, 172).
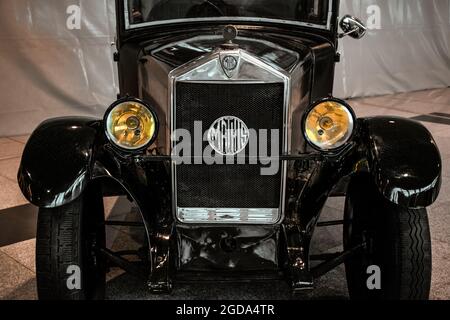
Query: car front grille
point(220, 191)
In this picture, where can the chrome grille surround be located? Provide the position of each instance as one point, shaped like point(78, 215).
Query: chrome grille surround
point(228, 215)
point(249, 70)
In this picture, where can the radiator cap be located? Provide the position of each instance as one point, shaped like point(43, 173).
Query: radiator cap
point(230, 33)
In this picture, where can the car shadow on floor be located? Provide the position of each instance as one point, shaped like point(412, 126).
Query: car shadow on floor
point(125, 287)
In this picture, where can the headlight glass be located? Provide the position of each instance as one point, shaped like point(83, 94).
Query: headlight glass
point(131, 125)
point(329, 125)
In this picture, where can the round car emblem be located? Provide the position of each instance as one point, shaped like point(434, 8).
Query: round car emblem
point(228, 135)
point(229, 63)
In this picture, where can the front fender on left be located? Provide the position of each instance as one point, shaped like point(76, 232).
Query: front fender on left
point(57, 160)
point(404, 160)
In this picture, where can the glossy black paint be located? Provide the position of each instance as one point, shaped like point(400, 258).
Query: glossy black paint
point(64, 155)
point(146, 179)
point(312, 47)
point(251, 248)
point(56, 162)
point(404, 160)
point(148, 79)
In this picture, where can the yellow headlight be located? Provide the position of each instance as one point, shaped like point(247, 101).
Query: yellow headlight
point(131, 125)
point(329, 125)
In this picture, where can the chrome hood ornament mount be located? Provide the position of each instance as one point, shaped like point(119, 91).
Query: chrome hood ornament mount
point(229, 60)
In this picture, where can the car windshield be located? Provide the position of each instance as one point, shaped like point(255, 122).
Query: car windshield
point(139, 13)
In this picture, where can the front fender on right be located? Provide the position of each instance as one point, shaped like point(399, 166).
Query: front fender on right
point(57, 160)
point(404, 160)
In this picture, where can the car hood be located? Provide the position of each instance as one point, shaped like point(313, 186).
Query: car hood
point(308, 63)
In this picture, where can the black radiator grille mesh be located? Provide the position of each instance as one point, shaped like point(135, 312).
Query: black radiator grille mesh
point(260, 106)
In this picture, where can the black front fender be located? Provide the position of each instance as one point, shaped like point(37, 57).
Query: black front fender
point(57, 160)
point(404, 160)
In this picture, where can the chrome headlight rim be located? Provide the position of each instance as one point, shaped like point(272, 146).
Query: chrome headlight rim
point(352, 118)
point(135, 100)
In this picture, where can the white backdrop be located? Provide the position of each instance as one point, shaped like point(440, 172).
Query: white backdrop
point(407, 48)
point(54, 64)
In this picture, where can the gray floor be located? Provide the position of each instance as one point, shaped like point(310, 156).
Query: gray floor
point(17, 270)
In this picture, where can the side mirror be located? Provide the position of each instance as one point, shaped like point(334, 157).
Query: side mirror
point(352, 27)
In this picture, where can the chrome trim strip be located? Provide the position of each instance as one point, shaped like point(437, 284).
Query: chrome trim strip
point(208, 68)
point(234, 82)
point(220, 38)
point(129, 26)
point(228, 215)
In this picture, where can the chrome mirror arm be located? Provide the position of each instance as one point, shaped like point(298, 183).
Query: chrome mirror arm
point(342, 35)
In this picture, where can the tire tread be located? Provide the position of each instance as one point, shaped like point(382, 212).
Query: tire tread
point(57, 247)
point(403, 241)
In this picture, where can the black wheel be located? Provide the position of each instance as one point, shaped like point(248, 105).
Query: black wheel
point(397, 241)
point(67, 238)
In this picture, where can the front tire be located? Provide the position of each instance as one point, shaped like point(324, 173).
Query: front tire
point(66, 239)
point(397, 241)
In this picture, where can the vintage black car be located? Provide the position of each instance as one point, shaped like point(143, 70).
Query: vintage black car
point(227, 138)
